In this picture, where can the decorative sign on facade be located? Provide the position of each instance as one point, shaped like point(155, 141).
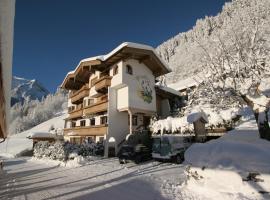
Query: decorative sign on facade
point(144, 91)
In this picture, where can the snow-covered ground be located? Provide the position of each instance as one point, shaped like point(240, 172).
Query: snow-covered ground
point(98, 180)
point(224, 163)
point(213, 170)
point(16, 144)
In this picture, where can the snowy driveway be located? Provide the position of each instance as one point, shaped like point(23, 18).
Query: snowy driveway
point(103, 179)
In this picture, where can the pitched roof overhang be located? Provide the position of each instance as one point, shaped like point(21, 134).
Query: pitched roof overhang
point(143, 53)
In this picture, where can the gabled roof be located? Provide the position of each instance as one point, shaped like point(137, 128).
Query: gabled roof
point(144, 53)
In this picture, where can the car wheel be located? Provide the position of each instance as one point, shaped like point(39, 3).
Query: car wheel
point(178, 159)
point(138, 159)
point(122, 161)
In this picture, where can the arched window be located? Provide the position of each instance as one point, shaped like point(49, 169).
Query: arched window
point(129, 69)
point(115, 70)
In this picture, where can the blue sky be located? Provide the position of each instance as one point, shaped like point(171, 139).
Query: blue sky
point(52, 36)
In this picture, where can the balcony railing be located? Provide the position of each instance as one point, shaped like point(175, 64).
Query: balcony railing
point(77, 113)
point(99, 130)
point(100, 106)
point(77, 96)
point(102, 83)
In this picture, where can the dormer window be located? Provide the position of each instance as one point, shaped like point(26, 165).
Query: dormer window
point(129, 69)
point(115, 70)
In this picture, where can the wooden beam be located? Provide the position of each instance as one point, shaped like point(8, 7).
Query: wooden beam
point(142, 59)
point(126, 56)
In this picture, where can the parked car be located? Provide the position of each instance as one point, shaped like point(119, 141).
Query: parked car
point(170, 147)
point(136, 153)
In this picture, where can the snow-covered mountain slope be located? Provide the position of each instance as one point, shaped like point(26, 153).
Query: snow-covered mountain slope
point(185, 52)
point(15, 144)
point(23, 89)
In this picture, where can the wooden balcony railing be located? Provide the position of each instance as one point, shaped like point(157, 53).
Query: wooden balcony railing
point(100, 106)
point(99, 130)
point(77, 113)
point(102, 83)
point(77, 96)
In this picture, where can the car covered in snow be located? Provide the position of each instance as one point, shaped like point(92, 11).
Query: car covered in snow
point(170, 147)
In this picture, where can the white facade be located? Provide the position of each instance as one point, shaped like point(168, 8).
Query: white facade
point(129, 94)
point(121, 90)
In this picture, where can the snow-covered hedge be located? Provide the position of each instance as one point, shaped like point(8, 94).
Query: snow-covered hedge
point(215, 119)
point(172, 125)
point(63, 150)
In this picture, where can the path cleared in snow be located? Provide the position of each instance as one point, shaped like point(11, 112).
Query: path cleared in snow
point(24, 178)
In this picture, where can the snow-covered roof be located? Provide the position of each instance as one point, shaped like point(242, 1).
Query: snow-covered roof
point(168, 89)
point(105, 57)
point(137, 46)
point(186, 83)
point(32, 135)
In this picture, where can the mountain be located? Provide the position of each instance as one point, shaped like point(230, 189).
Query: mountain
point(23, 89)
point(186, 52)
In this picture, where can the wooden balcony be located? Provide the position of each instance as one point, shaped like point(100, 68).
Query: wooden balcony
point(100, 106)
point(77, 113)
point(99, 130)
point(102, 84)
point(77, 96)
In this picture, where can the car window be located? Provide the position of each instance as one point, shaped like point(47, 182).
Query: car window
point(165, 141)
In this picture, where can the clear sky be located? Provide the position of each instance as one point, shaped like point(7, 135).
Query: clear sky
point(52, 36)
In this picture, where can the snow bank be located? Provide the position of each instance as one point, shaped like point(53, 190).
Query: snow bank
point(76, 162)
point(16, 144)
point(222, 184)
point(241, 149)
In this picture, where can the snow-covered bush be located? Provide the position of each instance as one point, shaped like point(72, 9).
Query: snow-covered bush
point(87, 149)
point(63, 150)
point(40, 149)
point(178, 125)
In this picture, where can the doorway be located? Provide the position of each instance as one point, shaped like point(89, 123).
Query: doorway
point(146, 122)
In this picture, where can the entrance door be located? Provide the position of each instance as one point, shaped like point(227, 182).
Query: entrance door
point(146, 122)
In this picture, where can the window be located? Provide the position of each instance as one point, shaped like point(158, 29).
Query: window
point(79, 106)
point(101, 139)
point(90, 140)
point(134, 120)
point(129, 69)
point(82, 123)
point(71, 108)
point(104, 120)
point(76, 140)
point(90, 102)
point(73, 124)
point(92, 122)
point(115, 70)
